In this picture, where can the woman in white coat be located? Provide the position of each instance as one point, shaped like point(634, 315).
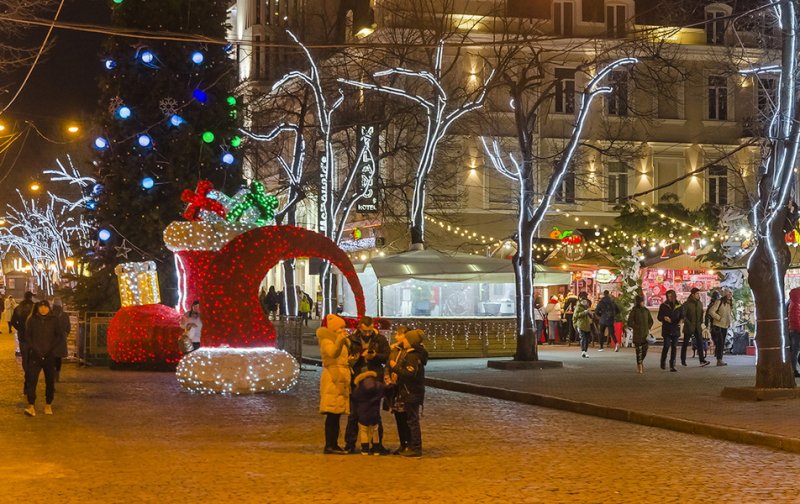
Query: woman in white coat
point(334, 383)
point(553, 313)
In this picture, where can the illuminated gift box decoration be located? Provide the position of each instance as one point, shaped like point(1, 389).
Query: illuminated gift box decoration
point(138, 283)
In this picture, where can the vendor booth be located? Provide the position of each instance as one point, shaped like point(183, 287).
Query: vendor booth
point(430, 283)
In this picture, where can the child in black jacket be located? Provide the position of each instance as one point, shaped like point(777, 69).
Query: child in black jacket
point(408, 372)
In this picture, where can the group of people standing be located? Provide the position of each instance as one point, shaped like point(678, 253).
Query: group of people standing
point(671, 313)
point(273, 303)
point(361, 374)
point(42, 333)
point(570, 317)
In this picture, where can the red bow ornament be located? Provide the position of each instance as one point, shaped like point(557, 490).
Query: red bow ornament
point(199, 200)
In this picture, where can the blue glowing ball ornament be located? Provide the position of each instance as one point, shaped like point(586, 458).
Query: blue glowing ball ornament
point(145, 140)
point(200, 95)
point(97, 189)
point(110, 64)
point(91, 205)
point(100, 143)
point(104, 234)
point(147, 57)
point(124, 112)
point(197, 57)
point(176, 120)
point(228, 158)
point(148, 182)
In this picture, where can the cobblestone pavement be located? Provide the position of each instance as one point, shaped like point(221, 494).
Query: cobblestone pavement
point(134, 437)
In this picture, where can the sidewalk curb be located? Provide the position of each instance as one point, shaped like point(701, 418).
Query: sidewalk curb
point(725, 433)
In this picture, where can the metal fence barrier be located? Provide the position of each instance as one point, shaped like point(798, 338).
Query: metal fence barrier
point(290, 336)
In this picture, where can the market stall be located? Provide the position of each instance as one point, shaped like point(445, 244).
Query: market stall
point(430, 283)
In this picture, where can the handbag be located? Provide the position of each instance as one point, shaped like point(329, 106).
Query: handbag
point(185, 343)
point(651, 339)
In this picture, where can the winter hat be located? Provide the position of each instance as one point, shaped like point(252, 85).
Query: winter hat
point(362, 376)
point(334, 322)
point(415, 336)
point(583, 295)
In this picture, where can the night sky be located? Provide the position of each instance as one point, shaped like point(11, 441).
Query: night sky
point(63, 88)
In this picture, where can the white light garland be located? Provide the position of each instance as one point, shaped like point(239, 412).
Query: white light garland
point(236, 371)
point(203, 235)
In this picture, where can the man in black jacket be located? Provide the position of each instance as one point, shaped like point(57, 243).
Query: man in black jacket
point(43, 336)
point(607, 310)
point(670, 315)
point(369, 351)
point(18, 318)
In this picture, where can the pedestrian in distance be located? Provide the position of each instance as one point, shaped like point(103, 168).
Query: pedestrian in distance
point(539, 318)
point(304, 306)
point(8, 310)
point(61, 351)
point(392, 403)
point(43, 336)
point(670, 315)
point(193, 324)
point(408, 372)
point(693, 327)
point(369, 351)
point(567, 312)
point(367, 397)
point(334, 382)
point(271, 302)
point(582, 319)
point(720, 314)
point(18, 319)
point(640, 321)
point(794, 329)
point(553, 314)
point(607, 311)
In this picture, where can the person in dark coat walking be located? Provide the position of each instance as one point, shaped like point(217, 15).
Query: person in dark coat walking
point(43, 336)
point(693, 327)
point(64, 328)
point(408, 372)
point(670, 315)
point(640, 321)
point(369, 351)
point(18, 318)
point(367, 398)
point(607, 310)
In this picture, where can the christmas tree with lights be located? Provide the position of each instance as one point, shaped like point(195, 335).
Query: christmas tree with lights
point(167, 118)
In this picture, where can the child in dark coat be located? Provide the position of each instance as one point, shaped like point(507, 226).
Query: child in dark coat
point(408, 373)
point(367, 398)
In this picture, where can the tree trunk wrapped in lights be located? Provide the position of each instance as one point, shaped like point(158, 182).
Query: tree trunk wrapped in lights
point(531, 212)
point(772, 216)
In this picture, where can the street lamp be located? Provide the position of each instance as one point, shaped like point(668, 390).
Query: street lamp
point(73, 129)
point(35, 186)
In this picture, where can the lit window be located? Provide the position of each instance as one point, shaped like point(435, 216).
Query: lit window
point(617, 99)
point(563, 16)
point(717, 98)
point(718, 185)
point(566, 192)
point(617, 182)
point(565, 91)
point(616, 16)
point(715, 26)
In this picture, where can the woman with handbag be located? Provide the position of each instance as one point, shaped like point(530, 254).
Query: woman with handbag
point(640, 321)
point(192, 325)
